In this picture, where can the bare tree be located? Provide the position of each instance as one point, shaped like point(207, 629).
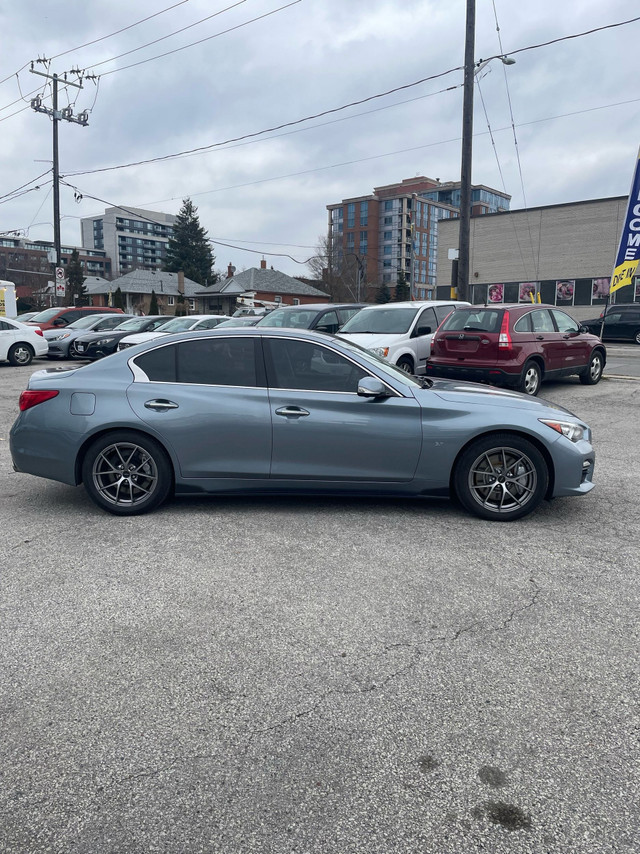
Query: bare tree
point(343, 276)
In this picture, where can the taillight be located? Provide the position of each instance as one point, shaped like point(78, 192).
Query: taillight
point(33, 398)
point(504, 340)
point(38, 331)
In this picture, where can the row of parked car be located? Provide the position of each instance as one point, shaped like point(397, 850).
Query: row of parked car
point(517, 346)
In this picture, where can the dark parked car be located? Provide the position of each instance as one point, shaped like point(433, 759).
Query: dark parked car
point(323, 317)
point(62, 341)
point(234, 411)
point(515, 345)
point(95, 345)
point(621, 322)
point(54, 318)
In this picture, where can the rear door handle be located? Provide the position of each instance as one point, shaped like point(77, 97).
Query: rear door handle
point(292, 411)
point(161, 405)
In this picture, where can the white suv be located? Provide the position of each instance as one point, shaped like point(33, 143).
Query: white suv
point(400, 332)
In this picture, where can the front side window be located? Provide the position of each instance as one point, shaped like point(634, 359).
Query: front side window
point(310, 367)
point(208, 361)
point(564, 322)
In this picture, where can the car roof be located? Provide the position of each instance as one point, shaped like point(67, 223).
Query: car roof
point(418, 304)
point(320, 306)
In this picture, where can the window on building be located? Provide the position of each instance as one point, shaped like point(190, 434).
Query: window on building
point(387, 235)
point(388, 205)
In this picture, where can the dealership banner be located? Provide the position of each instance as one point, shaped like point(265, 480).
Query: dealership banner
point(628, 256)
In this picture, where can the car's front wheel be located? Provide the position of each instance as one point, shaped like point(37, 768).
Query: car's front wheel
point(127, 473)
point(530, 379)
point(20, 354)
point(636, 337)
point(405, 364)
point(593, 372)
point(501, 477)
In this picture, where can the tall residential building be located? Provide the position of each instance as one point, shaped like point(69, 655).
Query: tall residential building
point(134, 239)
point(395, 229)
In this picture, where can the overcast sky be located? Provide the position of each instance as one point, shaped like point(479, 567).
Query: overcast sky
point(576, 137)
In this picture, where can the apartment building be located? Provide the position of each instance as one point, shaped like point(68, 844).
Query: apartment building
point(395, 229)
point(135, 239)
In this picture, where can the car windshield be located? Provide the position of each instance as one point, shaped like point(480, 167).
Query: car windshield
point(135, 324)
point(179, 324)
point(473, 319)
point(45, 315)
point(379, 364)
point(84, 322)
point(393, 321)
point(284, 317)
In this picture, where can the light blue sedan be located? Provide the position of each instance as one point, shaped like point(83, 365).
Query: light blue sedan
point(251, 410)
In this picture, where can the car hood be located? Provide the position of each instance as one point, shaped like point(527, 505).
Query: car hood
point(468, 394)
point(373, 339)
point(106, 333)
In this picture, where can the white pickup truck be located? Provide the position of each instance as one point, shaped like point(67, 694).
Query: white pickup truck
point(400, 332)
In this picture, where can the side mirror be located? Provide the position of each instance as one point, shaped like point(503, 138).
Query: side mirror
point(372, 387)
point(583, 330)
point(421, 330)
point(60, 321)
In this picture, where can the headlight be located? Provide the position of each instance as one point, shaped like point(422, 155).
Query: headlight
point(572, 431)
point(380, 351)
point(61, 337)
point(102, 341)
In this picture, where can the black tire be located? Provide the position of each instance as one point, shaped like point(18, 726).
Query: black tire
point(636, 337)
point(126, 473)
point(405, 363)
point(501, 477)
point(530, 379)
point(592, 374)
point(20, 354)
point(73, 353)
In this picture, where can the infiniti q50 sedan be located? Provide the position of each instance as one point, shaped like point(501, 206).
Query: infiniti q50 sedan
point(265, 410)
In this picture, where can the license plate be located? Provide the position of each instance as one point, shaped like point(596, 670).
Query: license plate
point(80, 348)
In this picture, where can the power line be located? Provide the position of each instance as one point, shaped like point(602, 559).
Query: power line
point(163, 38)
point(201, 41)
point(26, 184)
point(334, 109)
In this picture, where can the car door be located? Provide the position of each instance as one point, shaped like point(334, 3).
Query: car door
point(7, 337)
point(322, 429)
point(421, 339)
point(577, 347)
point(207, 399)
point(548, 341)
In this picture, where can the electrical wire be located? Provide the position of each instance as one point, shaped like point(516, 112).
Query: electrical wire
point(201, 41)
point(163, 38)
point(334, 109)
point(26, 184)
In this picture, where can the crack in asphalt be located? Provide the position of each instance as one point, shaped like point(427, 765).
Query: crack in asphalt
point(417, 650)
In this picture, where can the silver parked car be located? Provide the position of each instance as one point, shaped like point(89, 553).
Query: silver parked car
point(242, 410)
point(62, 341)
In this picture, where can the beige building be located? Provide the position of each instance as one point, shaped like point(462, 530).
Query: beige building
point(563, 253)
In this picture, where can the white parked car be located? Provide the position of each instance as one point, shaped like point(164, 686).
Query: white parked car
point(399, 332)
point(196, 322)
point(19, 343)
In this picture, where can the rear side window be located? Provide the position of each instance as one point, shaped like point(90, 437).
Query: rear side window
point(541, 321)
point(473, 320)
point(208, 361)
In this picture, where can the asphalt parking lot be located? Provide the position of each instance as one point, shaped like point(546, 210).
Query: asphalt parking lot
point(335, 675)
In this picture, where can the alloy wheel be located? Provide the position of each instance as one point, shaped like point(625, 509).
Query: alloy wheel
point(502, 479)
point(125, 474)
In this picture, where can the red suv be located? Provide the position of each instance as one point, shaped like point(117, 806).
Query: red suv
point(52, 318)
point(515, 345)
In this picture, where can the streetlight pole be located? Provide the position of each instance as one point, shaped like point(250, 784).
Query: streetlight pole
point(465, 170)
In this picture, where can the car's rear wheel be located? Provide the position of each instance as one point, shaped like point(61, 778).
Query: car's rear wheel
point(127, 473)
point(20, 354)
point(405, 363)
point(593, 372)
point(636, 337)
point(501, 477)
point(530, 379)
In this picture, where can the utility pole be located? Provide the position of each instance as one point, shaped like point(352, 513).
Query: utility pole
point(57, 116)
point(465, 171)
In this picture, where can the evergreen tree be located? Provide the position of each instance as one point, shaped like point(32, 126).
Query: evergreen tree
point(118, 299)
point(76, 290)
point(153, 305)
point(188, 249)
point(402, 288)
point(181, 306)
point(384, 294)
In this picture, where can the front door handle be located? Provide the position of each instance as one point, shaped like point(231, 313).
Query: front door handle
point(539, 337)
point(292, 411)
point(160, 405)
